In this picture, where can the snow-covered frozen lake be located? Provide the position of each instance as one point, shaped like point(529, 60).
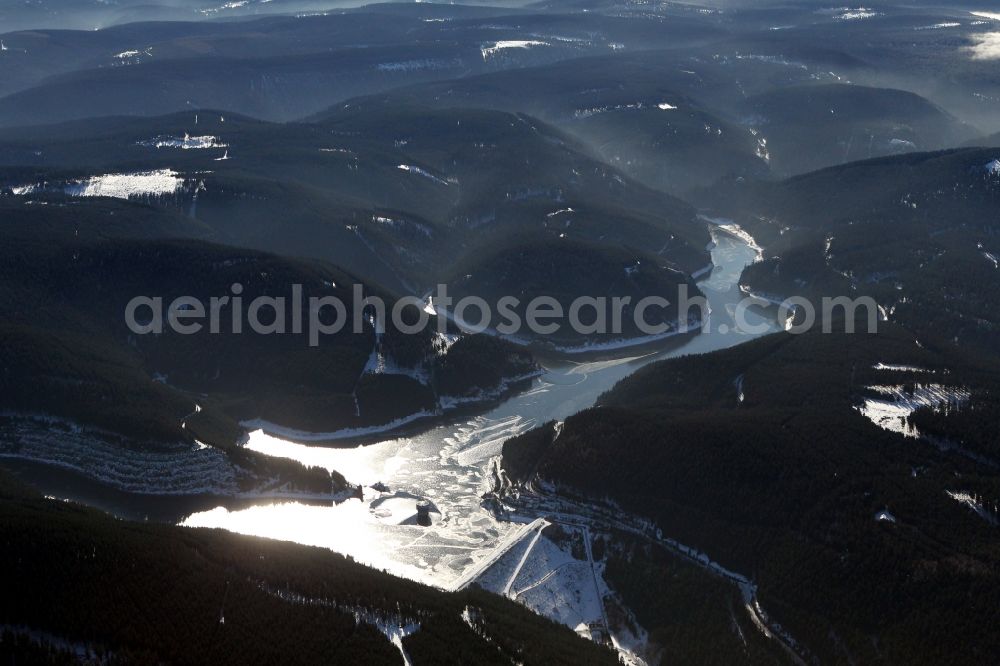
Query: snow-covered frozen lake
point(446, 465)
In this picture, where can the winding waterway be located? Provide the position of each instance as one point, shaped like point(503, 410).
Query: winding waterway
point(446, 464)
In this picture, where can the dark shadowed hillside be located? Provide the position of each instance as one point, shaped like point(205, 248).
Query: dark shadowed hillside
point(233, 599)
point(763, 458)
point(916, 232)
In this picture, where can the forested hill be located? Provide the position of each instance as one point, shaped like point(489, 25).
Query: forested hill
point(399, 195)
point(68, 276)
point(163, 413)
point(813, 126)
point(394, 194)
point(767, 457)
point(919, 233)
point(130, 593)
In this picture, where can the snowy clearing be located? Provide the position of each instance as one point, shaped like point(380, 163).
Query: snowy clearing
point(128, 185)
point(187, 142)
point(114, 185)
point(889, 367)
point(975, 505)
point(891, 411)
point(500, 46)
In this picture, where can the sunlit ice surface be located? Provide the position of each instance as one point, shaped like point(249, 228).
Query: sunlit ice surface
point(381, 529)
point(346, 529)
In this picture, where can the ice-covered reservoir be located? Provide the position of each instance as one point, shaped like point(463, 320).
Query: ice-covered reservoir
point(448, 465)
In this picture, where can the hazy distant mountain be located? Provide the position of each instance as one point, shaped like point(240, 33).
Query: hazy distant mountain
point(96, 14)
point(87, 259)
point(284, 68)
point(815, 126)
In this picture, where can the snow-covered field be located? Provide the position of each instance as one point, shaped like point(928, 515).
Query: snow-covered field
point(546, 577)
point(501, 46)
point(889, 367)
point(128, 185)
point(850, 13)
point(895, 404)
point(132, 56)
point(555, 584)
point(186, 142)
point(975, 505)
point(116, 185)
point(939, 26)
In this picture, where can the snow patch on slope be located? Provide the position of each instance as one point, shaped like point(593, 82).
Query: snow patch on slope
point(504, 45)
point(115, 185)
point(127, 185)
point(889, 367)
point(409, 168)
point(974, 504)
point(187, 142)
point(895, 404)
